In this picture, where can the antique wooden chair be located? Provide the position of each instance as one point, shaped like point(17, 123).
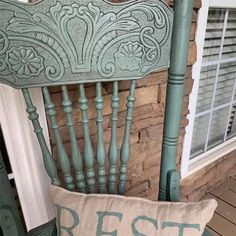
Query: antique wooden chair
point(60, 42)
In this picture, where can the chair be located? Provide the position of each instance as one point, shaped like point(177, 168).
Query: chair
point(10, 220)
point(77, 42)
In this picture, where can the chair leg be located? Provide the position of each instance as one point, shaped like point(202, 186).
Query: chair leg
point(48, 229)
point(10, 220)
point(206, 233)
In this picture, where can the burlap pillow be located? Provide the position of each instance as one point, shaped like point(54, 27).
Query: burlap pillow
point(98, 215)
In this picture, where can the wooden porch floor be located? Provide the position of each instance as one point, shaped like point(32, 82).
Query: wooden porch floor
point(224, 220)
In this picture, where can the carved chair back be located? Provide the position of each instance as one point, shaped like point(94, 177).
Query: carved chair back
point(60, 42)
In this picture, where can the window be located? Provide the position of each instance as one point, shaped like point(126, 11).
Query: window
point(212, 128)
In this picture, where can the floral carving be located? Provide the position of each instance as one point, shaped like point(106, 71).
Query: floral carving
point(130, 56)
point(24, 62)
point(65, 41)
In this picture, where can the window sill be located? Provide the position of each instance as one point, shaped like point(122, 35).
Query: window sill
point(210, 156)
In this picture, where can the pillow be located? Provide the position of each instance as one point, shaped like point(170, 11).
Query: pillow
point(99, 214)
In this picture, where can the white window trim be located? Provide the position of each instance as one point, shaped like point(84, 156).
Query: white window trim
point(189, 167)
point(25, 155)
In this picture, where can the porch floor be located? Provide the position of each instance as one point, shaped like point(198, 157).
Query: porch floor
point(224, 219)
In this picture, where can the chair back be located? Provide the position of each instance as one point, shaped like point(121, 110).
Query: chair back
point(60, 42)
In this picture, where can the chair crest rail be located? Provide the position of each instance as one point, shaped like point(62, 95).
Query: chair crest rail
point(63, 42)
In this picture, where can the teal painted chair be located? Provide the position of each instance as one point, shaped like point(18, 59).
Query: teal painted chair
point(60, 42)
point(10, 221)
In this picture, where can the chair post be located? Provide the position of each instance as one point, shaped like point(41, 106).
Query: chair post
point(113, 147)
point(169, 177)
point(125, 147)
point(49, 163)
point(10, 220)
point(88, 149)
point(101, 153)
point(62, 155)
point(76, 157)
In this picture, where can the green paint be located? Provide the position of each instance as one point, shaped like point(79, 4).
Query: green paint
point(142, 218)
point(47, 157)
point(206, 233)
point(48, 229)
point(113, 148)
point(101, 155)
point(54, 58)
point(175, 91)
point(173, 181)
point(180, 226)
point(88, 149)
point(62, 155)
point(75, 152)
point(10, 220)
point(125, 148)
point(74, 215)
point(40, 46)
point(101, 216)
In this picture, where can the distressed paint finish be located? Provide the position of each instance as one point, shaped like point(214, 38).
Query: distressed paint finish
point(169, 178)
point(47, 157)
point(113, 147)
point(88, 149)
point(101, 155)
point(10, 220)
point(125, 149)
point(48, 229)
point(55, 42)
point(51, 42)
point(75, 152)
point(62, 155)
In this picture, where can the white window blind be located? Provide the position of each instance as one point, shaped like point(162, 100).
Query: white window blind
point(215, 116)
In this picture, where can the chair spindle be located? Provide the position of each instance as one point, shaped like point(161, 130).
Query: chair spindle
point(125, 149)
point(101, 155)
point(47, 157)
point(62, 156)
point(113, 148)
point(75, 152)
point(88, 149)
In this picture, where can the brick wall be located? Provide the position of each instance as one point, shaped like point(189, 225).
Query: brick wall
point(146, 135)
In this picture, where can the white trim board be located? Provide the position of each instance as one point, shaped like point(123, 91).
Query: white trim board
point(25, 156)
point(212, 155)
point(221, 3)
point(196, 71)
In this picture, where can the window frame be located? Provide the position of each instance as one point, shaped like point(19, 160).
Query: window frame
point(190, 166)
